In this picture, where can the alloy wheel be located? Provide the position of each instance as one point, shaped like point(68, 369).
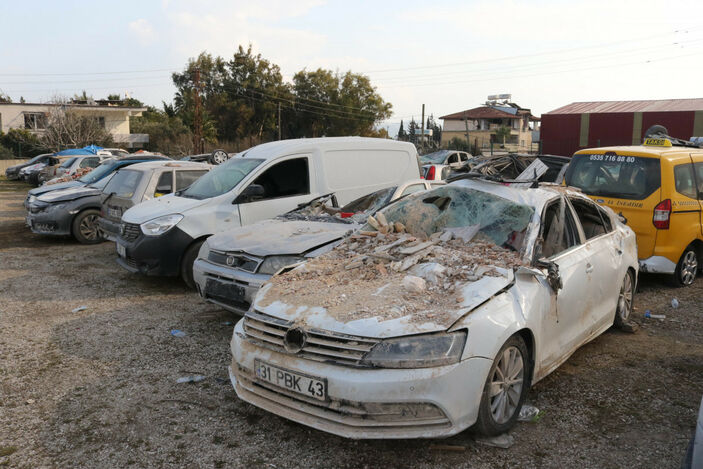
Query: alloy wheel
point(689, 267)
point(506, 385)
point(625, 298)
point(89, 227)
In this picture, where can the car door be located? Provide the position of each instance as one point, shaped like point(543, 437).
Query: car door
point(286, 184)
point(567, 323)
point(604, 248)
point(698, 171)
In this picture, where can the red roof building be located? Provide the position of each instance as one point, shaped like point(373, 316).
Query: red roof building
point(606, 123)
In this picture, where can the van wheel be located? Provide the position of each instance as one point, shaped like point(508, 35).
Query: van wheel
point(686, 269)
point(187, 265)
point(85, 227)
point(627, 291)
point(505, 389)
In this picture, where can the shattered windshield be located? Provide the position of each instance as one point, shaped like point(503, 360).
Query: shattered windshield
point(222, 179)
point(371, 202)
point(437, 157)
point(468, 213)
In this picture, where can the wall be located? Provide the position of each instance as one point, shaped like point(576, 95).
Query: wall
point(4, 164)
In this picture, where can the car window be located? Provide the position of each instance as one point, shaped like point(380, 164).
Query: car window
point(370, 202)
point(684, 182)
point(165, 184)
point(221, 179)
point(285, 179)
point(411, 189)
point(624, 177)
point(186, 178)
point(123, 183)
point(89, 162)
point(464, 157)
point(699, 178)
point(559, 231)
point(593, 220)
point(67, 163)
point(453, 159)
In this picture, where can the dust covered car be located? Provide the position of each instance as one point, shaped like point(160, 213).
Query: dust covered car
point(437, 315)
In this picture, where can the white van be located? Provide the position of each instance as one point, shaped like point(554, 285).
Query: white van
point(163, 236)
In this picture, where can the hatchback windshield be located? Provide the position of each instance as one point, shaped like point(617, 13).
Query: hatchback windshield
point(623, 177)
point(486, 215)
point(124, 183)
point(437, 157)
point(222, 179)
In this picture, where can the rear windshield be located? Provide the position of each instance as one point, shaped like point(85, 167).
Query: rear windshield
point(609, 175)
point(437, 157)
point(98, 173)
point(67, 163)
point(371, 202)
point(124, 183)
point(222, 179)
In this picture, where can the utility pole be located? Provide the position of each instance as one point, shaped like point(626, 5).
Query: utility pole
point(279, 120)
point(466, 124)
point(422, 127)
point(198, 117)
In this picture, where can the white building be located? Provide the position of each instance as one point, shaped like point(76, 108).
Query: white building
point(115, 119)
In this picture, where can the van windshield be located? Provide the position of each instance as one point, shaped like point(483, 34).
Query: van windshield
point(610, 175)
point(123, 183)
point(222, 179)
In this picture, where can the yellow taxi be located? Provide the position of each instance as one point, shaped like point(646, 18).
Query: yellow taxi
point(658, 188)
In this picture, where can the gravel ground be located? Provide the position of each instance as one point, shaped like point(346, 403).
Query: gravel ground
point(97, 388)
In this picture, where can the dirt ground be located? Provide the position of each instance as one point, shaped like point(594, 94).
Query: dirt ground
point(97, 388)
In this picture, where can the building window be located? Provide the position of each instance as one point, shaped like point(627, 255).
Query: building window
point(101, 122)
point(34, 121)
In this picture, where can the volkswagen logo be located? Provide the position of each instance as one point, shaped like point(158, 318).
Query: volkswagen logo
point(295, 340)
point(231, 260)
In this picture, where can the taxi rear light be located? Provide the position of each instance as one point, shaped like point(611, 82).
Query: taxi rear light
point(662, 215)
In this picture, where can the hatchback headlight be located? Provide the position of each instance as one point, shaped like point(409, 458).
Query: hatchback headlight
point(420, 351)
point(273, 264)
point(160, 225)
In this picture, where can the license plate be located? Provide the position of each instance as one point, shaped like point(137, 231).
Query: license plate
point(292, 381)
point(228, 291)
point(114, 212)
point(121, 250)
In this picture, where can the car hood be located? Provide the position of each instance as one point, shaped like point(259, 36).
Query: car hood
point(280, 237)
point(469, 296)
point(71, 193)
point(166, 205)
point(55, 187)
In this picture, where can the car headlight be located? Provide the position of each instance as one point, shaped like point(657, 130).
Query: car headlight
point(160, 225)
point(420, 351)
point(204, 251)
point(54, 207)
point(32, 198)
point(273, 264)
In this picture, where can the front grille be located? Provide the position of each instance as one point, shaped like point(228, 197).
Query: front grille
point(357, 415)
point(238, 261)
point(132, 262)
point(320, 345)
point(130, 231)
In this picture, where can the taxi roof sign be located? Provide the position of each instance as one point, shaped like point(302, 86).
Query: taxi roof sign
point(657, 142)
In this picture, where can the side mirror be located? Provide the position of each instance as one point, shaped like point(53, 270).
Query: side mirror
point(622, 217)
point(251, 193)
point(553, 277)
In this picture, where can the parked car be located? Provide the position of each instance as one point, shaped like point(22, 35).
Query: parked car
point(105, 169)
point(483, 291)
point(658, 189)
point(81, 163)
point(140, 182)
point(74, 209)
point(163, 236)
point(13, 172)
point(232, 265)
point(436, 172)
point(512, 166)
point(453, 158)
point(30, 173)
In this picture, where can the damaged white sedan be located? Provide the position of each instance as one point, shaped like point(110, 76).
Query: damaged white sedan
point(439, 314)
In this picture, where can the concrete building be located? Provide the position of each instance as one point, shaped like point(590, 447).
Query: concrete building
point(605, 123)
point(483, 122)
point(114, 118)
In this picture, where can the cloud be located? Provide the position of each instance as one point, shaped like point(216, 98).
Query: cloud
point(142, 30)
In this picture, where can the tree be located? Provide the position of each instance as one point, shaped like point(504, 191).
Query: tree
point(502, 134)
point(167, 132)
point(5, 98)
point(401, 131)
point(67, 128)
point(22, 143)
point(412, 131)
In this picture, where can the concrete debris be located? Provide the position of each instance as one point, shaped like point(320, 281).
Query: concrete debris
point(504, 441)
point(79, 309)
point(528, 413)
point(414, 284)
point(430, 271)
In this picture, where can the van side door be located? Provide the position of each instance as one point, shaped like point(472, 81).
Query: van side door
point(286, 184)
point(698, 173)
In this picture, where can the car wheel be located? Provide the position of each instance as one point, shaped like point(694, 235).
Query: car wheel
point(505, 389)
point(686, 269)
point(218, 157)
point(85, 227)
point(627, 292)
point(187, 265)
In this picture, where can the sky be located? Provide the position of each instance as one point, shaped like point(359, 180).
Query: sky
point(449, 55)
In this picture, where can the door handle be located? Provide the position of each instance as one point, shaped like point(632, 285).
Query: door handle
point(589, 268)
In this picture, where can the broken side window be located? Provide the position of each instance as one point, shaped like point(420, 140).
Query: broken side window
point(559, 231)
point(590, 217)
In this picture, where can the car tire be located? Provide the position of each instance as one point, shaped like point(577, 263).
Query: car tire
point(501, 401)
point(85, 227)
point(187, 264)
point(627, 293)
point(686, 268)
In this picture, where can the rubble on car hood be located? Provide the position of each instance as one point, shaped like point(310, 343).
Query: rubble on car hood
point(280, 237)
point(71, 193)
point(384, 285)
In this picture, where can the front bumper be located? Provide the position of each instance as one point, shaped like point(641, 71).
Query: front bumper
point(232, 289)
point(154, 255)
point(110, 228)
point(50, 222)
point(657, 265)
point(365, 402)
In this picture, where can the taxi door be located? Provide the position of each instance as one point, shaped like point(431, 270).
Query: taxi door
point(697, 159)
